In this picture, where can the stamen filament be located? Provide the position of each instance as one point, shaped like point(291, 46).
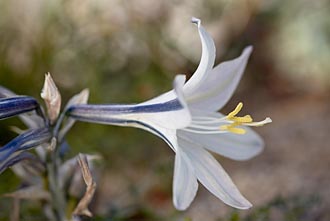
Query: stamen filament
point(233, 129)
point(205, 131)
point(230, 123)
point(203, 127)
point(260, 123)
point(245, 119)
point(209, 119)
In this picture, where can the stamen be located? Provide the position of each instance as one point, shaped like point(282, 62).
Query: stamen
point(241, 121)
point(192, 130)
point(245, 119)
point(236, 130)
point(203, 119)
point(230, 123)
point(203, 127)
point(237, 109)
point(233, 129)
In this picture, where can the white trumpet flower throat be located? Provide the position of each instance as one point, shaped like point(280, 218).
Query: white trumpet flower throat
point(186, 118)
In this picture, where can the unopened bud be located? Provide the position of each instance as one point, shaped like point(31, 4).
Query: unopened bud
point(80, 98)
point(52, 98)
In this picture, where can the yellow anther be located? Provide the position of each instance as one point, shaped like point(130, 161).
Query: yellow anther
point(237, 130)
point(224, 127)
point(239, 121)
point(237, 109)
point(236, 121)
point(233, 129)
point(245, 119)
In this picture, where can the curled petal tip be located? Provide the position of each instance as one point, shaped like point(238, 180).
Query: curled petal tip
point(242, 204)
point(248, 49)
point(179, 80)
point(247, 205)
point(196, 21)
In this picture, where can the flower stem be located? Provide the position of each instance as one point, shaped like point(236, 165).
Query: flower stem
point(58, 198)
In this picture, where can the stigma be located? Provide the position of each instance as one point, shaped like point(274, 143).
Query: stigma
point(235, 121)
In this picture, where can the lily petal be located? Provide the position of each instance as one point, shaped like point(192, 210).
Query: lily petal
point(170, 95)
point(206, 62)
point(202, 71)
point(184, 182)
point(234, 146)
point(210, 173)
point(218, 87)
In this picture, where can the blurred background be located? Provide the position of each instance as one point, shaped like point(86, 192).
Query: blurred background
point(129, 51)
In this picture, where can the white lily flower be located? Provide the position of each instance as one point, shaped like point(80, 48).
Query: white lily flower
point(187, 120)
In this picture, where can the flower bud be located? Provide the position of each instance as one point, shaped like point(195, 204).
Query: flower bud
point(52, 98)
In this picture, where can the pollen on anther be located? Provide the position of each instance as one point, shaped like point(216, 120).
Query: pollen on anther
point(235, 112)
point(233, 129)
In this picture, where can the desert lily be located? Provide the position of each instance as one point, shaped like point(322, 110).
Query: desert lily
point(186, 118)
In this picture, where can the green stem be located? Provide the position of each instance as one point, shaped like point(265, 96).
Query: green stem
point(58, 198)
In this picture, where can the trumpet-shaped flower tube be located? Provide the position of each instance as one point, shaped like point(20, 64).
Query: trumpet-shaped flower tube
point(17, 105)
point(15, 158)
point(12, 152)
point(160, 118)
point(32, 120)
point(187, 119)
